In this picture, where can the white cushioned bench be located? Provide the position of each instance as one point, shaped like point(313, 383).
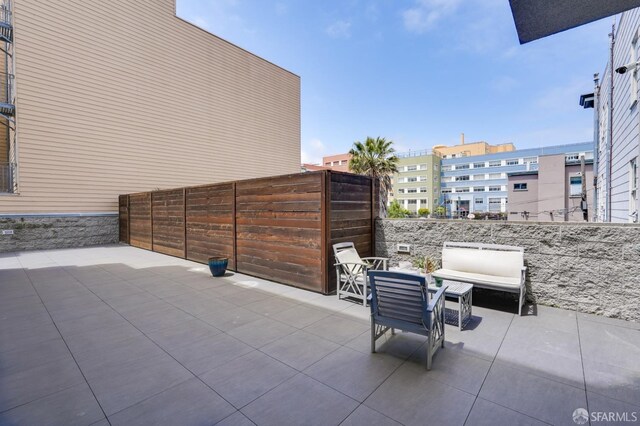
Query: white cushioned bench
point(491, 266)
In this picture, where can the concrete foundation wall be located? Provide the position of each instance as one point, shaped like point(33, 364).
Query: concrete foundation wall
point(593, 268)
point(55, 231)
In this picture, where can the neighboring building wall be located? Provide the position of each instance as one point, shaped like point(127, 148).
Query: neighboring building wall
point(339, 162)
point(616, 152)
point(119, 97)
point(523, 203)
point(582, 266)
point(551, 184)
point(417, 185)
point(471, 149)
point(479, 184)
point(549, 195)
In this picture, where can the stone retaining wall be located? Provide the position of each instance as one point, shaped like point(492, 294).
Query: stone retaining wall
point(57, 231)
point(590, 267)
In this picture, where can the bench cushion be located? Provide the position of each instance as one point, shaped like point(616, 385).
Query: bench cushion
point(483, 262)
point(486, 281)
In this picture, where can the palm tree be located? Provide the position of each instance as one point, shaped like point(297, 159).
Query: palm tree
point(375, 158)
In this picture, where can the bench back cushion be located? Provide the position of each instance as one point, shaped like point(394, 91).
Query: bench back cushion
point(487, 262)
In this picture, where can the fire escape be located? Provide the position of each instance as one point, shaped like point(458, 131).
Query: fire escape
point(8, 154)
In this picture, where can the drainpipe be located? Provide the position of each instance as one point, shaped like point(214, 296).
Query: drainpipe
point(610, 142)
point(596, 140)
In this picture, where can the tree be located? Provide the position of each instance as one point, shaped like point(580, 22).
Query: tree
point(396, 211)
point(375, 158)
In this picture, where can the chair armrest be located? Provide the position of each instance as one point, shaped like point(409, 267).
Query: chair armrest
point(375, 258)
point(364, 265)
point(436, 299)
point(435, 309)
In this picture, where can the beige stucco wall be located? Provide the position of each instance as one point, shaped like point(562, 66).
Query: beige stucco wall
point(123, 96)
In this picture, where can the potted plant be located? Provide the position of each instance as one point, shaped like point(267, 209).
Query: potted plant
point(427, 265)
point(218, 265)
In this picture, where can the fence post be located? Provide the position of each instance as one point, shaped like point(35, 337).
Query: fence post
point(233, 224)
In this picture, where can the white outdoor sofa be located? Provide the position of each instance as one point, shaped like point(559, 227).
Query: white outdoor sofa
point(491, 266)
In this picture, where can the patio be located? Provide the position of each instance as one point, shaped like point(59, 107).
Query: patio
point(124, 336)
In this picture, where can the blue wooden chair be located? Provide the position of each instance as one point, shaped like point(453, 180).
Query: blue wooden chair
point(403, 301)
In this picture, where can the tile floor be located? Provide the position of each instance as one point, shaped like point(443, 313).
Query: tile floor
point(122, 336)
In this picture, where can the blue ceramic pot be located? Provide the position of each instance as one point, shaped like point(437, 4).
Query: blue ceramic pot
point(218, 265)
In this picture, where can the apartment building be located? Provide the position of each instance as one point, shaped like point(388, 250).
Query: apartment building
point(553, 192)
point(338, 162)
point(124, 96)
point(479, 183)
point(617, 126)
point(417, 183)
point(464, 149)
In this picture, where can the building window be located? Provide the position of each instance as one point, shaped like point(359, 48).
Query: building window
point(423, 189)
point(519, 186)
point(572, 158)
point(446, 168)
point(412, 201)
point(495, 163)
point(401, 191)
point(446, 190)
point(411, 179)
point(575, 186)
point(479, 200)
point(478, 189)
point(423, 167)
point(633, 190)
point(495, 188)
point(494, 200)
point(513, 162)
point(462, 178)
point(412, 190)
point(422, 178)
point(463, 189)
point(462, 166)
point(411, 168)
point(423, 201)
point(478, 165)
point(328, 164)
point(532, 160)
point(478, 177)
point(495, 176)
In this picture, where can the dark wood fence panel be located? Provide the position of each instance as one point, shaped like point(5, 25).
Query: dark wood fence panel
point(140, 231)
point(351, 216)
point(168, 222)
point(123, 218)
point(210, 222)
point(278, 229)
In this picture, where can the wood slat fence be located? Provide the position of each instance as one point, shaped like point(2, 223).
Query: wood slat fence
point(279, 228)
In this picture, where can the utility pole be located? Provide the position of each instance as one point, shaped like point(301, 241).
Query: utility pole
point(583, 194)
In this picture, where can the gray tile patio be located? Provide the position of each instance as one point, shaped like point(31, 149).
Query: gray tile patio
point(122, 336)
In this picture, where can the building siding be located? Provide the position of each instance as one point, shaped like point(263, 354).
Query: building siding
point(624, 145)
point(119, 97)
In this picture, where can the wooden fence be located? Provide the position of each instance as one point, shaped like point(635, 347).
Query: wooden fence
point(280, 228)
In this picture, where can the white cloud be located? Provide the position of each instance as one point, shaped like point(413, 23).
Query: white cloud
point(312, 151)
point(339, 29)
point(426, 14)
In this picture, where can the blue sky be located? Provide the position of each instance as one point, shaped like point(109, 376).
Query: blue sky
point(418, 72)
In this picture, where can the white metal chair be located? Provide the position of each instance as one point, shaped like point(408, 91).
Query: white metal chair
point(351, 271)
point(402, 301)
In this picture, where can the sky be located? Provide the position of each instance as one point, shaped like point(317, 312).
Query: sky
point(417, 72)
